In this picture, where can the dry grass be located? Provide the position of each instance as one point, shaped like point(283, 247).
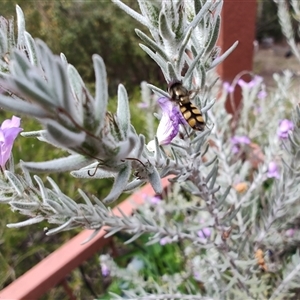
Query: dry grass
point(273, 60)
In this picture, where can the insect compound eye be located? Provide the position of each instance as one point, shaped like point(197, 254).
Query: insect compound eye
point(177, 91)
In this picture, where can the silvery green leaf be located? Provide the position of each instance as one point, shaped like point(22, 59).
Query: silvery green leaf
point(134, 237)
point(58, 165)
point(126, 147)
point(132, 12)
point(208, 106)
point(197, 6)
point(158, 154)
point(123, 113)
point(43, 191)
point(221, 58)
point(200, 137)
point(133, 185)
point(202, 75)
point(155, 181)
point(4, 199)
point(63, 91)
point(24, 206)
point(193, 65)
point(141, 146)
point(91, 236)
point(27, 81)
point(31, 48)
point(182, 49)
point(120, 182)
point(151, 10)
point(3, 43)
point(60, 135)
point(164, 28)
point(171, 72)
point(77, 86)
point(60, 228)
point(212, 176)
point(214, 35)
point(36, 134)
point(158, 90)
point(30, 221)
point(161, 63)
point(70, 207)
point(10, 35)
point(209, 162)
point(64, 59)
point(152, 44)
point(55, 206)
point(14, 182)
point(101, 97)
point(93, 171)
point(85, 198)
point(55, 187)
point(20, 25)
point(204, 10)
point(231, 215)
point(112, 231)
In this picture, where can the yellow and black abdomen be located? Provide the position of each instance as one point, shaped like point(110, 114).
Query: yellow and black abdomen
point(192, 115)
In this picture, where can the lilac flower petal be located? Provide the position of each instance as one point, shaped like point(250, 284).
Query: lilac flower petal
point(165, 240)
point(251, 84)
point(169, 124)
point(14, 122)
point(284, 127)
point(229, 88)
point(235, 140)
point(9, 130)
point(262, 95)
point(143, 105)
point(242, 83)
point(204, 233)
point(290, 232)
point(155, 200)
point(235, 149)
point(105, 270)
point(197, 276)
point(273, 170)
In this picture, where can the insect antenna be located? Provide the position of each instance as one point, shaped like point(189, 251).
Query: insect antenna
point(95, 171)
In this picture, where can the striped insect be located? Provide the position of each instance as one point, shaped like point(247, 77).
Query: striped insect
point(179, 94)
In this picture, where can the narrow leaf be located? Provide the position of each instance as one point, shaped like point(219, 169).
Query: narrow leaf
point(119, 184)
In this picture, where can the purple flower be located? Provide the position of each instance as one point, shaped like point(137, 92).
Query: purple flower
point(204, 233)
point(237, 141)
point(197, 276)
point(165, 240)
point(284, 127)
point(290, 232)
point(143, 104)
point(9, 130)
point(169, 124)
point(262, 95)
point(273, 170)
point(228, 87)
point(255, 81)
point(154, 200)
point(104, 269)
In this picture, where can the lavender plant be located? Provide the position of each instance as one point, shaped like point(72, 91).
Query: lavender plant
point(233, 205)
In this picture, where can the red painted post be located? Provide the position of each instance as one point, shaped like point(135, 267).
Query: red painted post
point(237, 24)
